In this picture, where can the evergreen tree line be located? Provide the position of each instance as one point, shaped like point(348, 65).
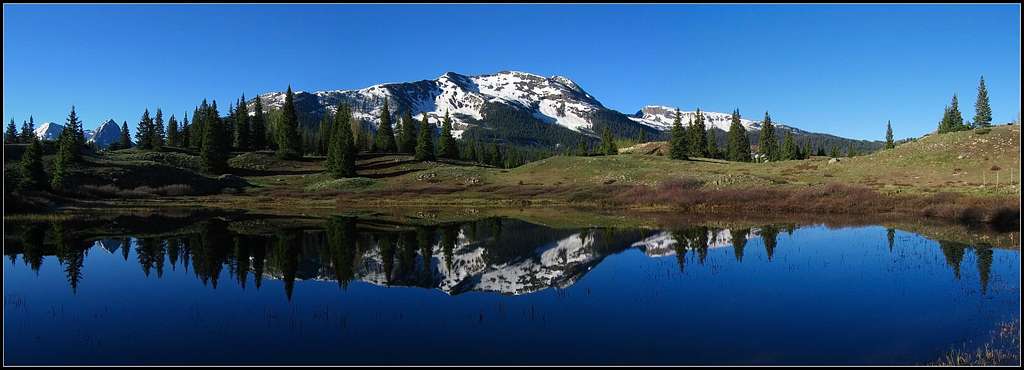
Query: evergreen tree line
point(25, 136)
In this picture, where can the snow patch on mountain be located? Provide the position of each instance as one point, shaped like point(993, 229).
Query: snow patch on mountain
point(49, 131)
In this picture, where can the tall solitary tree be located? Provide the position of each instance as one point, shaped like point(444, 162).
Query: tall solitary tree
point(77, 134)
point(126, 140)
point(982, 111)
point(11, 133)
point(214, 152)
point(289, 144)
point(446, 146)
point(698, 138)
point(258, 126)
point(385, 133)
point(407, 134)
point(738, 145)
point(144, 131)
point(32, 175)
point(173, 138)
point(678, 147)
point(425, 141)
point(341, 151)
point(767, 145)
point(68, 146)
point(243, 134)
point(889, 143)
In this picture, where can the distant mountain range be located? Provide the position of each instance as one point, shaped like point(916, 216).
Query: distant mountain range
point(107, 133)
point(520, 108)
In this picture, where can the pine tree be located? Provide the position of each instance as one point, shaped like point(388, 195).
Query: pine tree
point(789, 149)
point(26, 132)
point(889, 144)
point(446, 146)
point(195, 130)
point(496, 158)
point(243, 135)
point(952, 120)
point(183, 130)
point(385, 142)
point(289, 144)
point(11, 134)
point(258, 126)
point(407, 134)
point(608, 146)
point(678, 144)
point(67, 151)
point(341, 152)
point(145, 131)
point(33, 177)
point(126, 140)
point(738, 145)
point(172, 132)
point(698, 139)
point(982, 111)
point(214, 152)
point(712, 150)
point(767, 145)
point(158, 130)
point(425, 141)
point(73, 126)
point(31, 133)
point(581, 148)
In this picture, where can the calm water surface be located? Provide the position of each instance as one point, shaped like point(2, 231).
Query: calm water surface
point(498, 291)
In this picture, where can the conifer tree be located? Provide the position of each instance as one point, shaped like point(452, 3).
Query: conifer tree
point(67, 151)
point(258, 126)
point(341, 152)
point(243, 133)
point(821, 152)
point(952, 120)
point(425, 141)
point(158, 130)
point(26, 132)
point(73, 126)
point(496, 158)
point(834, 153)
point(407, 134)
point(712, 150)
point(738, 144)
point(195, 130)
point(385, 142)
point(767, 145)
point(11, 134)
point(678, 145)
point(446, 146)
point(31, 132)
point(982, 111)
point(789, 149)
point(289, 144)
point(172, 132)
point(183, 131)
point(215, 148)
point(126, 140)
point(581, 148)
point(698, 139)
point(889, 144)
point(608, 146)
point(145, 131)
point(32, 175)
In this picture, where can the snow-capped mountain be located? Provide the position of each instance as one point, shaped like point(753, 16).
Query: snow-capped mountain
point(108, 133)
point(49, 131)
point(515, 107)
point(555, 100)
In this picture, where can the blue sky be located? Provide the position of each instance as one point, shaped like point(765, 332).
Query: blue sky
point(837, 69)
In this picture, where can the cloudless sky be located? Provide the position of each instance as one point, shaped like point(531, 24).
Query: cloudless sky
point(840, 69)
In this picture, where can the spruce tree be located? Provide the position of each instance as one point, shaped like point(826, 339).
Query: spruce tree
point(195, 130)
point(889, 144)
point(608, 146)
point(407, 134)
point(32, 175)
point(678, 147)
point(215, 148)
point(768, 147)
point(77, 134)
point(258, 126)
point(982, 111)
point(341, 152)
point(425, 141)
point(385, 142)
point(952, 120)
point(698, 138)
point(183, 130)
point(26, 133)
point(289, 144)
point(126, 140)
point(446, 146)
point(11, 134)
point(158, 130)
point(30, 133)
point(172, 132)
point(712, 150)
point(67, 151)
point(738, 145)
point(496, 157)
point(243, 133)
point(789, 149)
point(145, 131)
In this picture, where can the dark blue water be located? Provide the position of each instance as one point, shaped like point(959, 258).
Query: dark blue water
point(498, 291)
